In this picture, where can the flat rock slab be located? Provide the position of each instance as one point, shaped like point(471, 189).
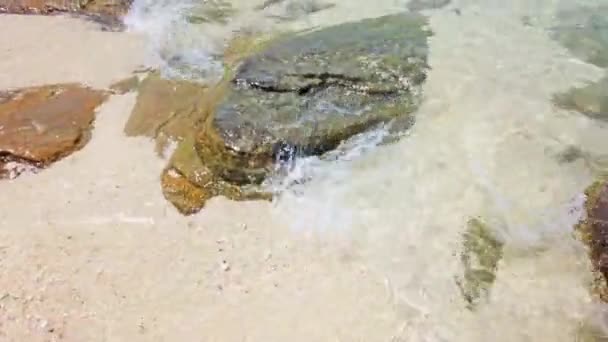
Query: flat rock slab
point(309, 92)
point(40, 125)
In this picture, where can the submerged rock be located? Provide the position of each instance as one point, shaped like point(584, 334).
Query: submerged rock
point(594, 233)
point(480, 256)
point(310, 92)
point(584, 31)
point(167, 110)
point(301, 94)
point(590, 100)
point(40, 125)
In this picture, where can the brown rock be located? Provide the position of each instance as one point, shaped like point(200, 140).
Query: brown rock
point(107, 7)
point(106, 12)
point(41, 125)
point(594, 232)
point(167, 109)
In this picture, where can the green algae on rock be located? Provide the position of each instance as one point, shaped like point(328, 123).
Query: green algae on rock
point(312, 91)
point(480, 256)
point(590, 100)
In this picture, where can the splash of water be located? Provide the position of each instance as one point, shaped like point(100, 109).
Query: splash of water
point(178, 47)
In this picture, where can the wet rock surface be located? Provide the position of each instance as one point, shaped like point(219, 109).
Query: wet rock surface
point(105, 12)
point(167, 110)
point(481, 252)
point(307, 93)
point(41, 125)
point(301, 94)
point(594, 232)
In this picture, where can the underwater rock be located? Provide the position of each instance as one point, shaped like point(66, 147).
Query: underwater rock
point(590, 100)
point(593, 231)
point(313, 91)
point(419, 5)
point(41, 125)
point(584, 31)
point(300, 94)
point(167, 110)
point(480, 256)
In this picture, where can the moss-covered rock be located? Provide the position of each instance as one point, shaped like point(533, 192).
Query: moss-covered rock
point(481, 252)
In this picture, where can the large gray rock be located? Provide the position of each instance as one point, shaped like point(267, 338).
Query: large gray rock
point(307, 93)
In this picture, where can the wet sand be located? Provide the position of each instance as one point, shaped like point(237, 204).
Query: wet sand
point(90, 250)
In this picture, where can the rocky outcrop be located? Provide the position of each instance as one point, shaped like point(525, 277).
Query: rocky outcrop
point(41, 125)
point(594, 232)
point(299, 95)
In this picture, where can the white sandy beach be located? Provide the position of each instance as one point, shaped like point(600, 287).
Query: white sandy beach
point(91, 251)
